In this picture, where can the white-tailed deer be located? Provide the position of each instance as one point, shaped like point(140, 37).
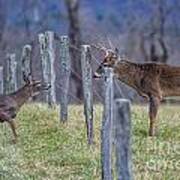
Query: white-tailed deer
point(151, 80)
point(10, 104)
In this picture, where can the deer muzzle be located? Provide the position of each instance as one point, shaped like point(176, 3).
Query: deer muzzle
point(96, 75)
point(99, 72)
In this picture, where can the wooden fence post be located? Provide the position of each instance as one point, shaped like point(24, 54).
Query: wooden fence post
point(65, 71)
point(47, 57)
point(106, 131)
point(87, 90)
point(43, 54)
point(52, 77)
point(1, 80)
point(118, 93)
point(122, 125)
point(11, 74)
point(26, 62)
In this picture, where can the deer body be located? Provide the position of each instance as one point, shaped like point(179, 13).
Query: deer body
point(10, 104)
point(153, 81)
point(150, 78)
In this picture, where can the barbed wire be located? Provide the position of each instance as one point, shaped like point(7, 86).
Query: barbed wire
point(34, 42)
point(69, 94)
point(80, 78)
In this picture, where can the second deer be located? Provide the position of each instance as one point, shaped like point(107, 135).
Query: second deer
point(10, 104)
point(151, 80)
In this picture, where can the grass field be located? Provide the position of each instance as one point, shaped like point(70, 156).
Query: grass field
point(48, 150)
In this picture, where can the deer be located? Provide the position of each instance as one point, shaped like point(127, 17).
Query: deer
point(152, 81)
point(10, 104)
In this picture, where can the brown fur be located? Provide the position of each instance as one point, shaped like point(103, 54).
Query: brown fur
point(10, 104)
point(151, 80)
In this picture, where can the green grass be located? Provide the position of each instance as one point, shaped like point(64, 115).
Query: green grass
point(49, 150)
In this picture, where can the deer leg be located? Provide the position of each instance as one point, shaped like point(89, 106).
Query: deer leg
point(153, 109)
point(13, 128)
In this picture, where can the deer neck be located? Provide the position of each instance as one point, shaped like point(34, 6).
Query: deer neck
point(125, 73)
point(21, 96)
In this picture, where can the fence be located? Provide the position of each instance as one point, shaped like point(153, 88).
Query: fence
point(116, 130)
point(116, 125)
point(47, 57)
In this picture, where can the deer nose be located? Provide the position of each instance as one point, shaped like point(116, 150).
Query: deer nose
point(96, 75)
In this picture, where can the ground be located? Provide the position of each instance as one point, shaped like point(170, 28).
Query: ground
point(49, 150)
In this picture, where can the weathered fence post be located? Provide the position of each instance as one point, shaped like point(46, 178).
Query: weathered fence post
point(87, 90)
point(1, 80)
point(52, 77)
point(11, 74)
point(47, 58)
point(65, 70)
point(26, 62)
point(106, 132)
point(122, 125)
point(118, 93)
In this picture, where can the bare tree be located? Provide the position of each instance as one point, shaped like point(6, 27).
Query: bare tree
point(26, 5)
point(3, 14)
point(75, 41)
point(157, 48)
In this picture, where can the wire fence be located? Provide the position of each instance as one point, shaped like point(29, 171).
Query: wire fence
point(11, 171)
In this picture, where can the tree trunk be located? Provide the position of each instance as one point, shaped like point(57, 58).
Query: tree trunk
point(3, 10)
point(25, 7)
point(157, 50)
point(75, 42)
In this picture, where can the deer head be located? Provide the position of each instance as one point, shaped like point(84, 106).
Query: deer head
point(34, 87)
point(110, 60)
